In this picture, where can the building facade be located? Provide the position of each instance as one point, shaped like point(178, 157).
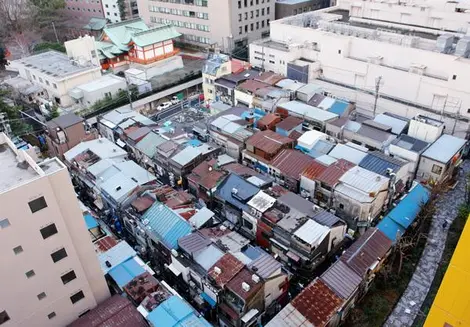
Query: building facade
point(52, 270)
point(83, 11)
point(225, 24)
point(285, 8)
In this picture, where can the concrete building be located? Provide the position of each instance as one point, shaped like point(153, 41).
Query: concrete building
point(285, 8)
point(83, 11)
point(106, 87)
point(216, 66)
point(65, 132)
point(344, 47)
point(56, 74)
point(53, 275)
point(226, 24)
point(115, 12)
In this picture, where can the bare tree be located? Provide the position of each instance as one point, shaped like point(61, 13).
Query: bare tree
point(15, 14)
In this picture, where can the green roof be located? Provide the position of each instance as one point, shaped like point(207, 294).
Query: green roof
point(96, 24)
point(121, 33)
point(154, 35)
point(107, 50)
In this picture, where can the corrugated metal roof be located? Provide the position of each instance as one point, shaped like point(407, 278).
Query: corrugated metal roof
point(155, 35)
point(102, 147)
point(193, 243)
point(201, 217)
point(115, 256)
point(125, 272)
point(410, 143)
point(341, 279)
point(313, 170)
point(312, 232)
point(291, 163)
point(165, 224)
point(229, 266)
point(309, 138)
point(244, 276)
point(326, 103)
point(326, 218)
point(289, 123)
point(321, 148)
point(317, 302)
point(316, 100)
point(364, 253)
point(288, 84)
point(444, 148)
point(404, 213)
point(379, 163)
point(264, 265)
point(207, 257)
point(326, 160)
point(307, 111)
point(175, 312)
point(252, 85)
point(148, 145)
point(232, 242)
point(244, 191)
point(268, 141)
point(261, 201)
point(397, 125)
point(334, 172)
point(338, 107)
point(139, 133)
point(342, 151)
point(117, 311)
point(289, 317)
point(90, 221)
point(364, 180)
point(65, 121)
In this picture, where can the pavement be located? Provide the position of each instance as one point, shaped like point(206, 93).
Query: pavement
point(409, 305)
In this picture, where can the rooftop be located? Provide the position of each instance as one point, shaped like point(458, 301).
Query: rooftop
point(193, 243)
point(244, 276)
point(117, 311)
point(367, 251)
point(341, 279)
point(261, 201)
point(268, 141)
point(444, 148)
point(291, 163)
point(334, 172)
point(101, 147)
point(364, 180)
point(236, 191)
point(397, 124)
point(410, 143)
point(103, 82)
point(380, 163)
point(115, 256)
point(313, 170)
point(308, 112)
point(267, 120)
point(252, 86)
point(148, 145)
point(225, 269)
point(56, 64)
point(208, 256)
point(343, 151)
point(175, 312)
point(289, 123)
point(65, 121)
point(312, 233)
point(269, 78)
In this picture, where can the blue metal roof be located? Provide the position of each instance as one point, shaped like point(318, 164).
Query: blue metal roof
point(194, 143)
point(339, 107)
point(90, 221)
point(378, 163)
point(406, 211)
point(125, 272)
point(245, 191)
point(252, 252)
point(175, 312)
point(208, 299)
point(166, 224)
point(320, 148)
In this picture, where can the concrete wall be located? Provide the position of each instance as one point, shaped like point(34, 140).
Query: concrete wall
point(405, 154)
point(285, 9)
point(63, 210)
point(83, 11)
point(111, 10)
point(82, 48)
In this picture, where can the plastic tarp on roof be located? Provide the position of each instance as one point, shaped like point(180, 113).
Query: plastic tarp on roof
point(402, 216)
point(90, 221)
point(339, 107)
point(125, 272)
point(165, 224)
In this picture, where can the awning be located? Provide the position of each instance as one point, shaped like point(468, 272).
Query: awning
point(208, 299)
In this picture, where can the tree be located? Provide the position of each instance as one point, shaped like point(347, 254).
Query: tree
point(54, 112)
point(3, 57)
point(49, 46)
point(15, 14)
point(47, 11)
point(13, 115)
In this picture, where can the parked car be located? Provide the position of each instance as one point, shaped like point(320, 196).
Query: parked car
point(164, 105)
point(175, 100)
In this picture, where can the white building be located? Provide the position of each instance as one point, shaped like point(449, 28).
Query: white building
point(50, 274)
point(418, 69)
point(56, 73)
point(106, 87)
point(216, 66)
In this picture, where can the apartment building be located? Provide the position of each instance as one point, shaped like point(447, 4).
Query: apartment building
point(228, 24)
point(83, 11)
point(347, 47)
point(50, 273)
point(285, 8)
point(116, 11)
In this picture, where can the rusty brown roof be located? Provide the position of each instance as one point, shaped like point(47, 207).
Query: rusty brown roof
point(240, 170)
point(292, 163)
point(244, 276)
point(313, 170)
point(117, 311)
point(289, 123)
point(105, 243)
point(142, 203)
point(317, 303)
point(252, 85)
point(268, 119)
point(268, 141)
point(333, 173)
point(366, 251)
point(206, 175)
point(295, 135)
point(229, 266)
point(269, 78)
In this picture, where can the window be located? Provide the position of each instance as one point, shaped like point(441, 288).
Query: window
point(247, 224)
point(59, 255)
point(4, 223)
point(30, 273)
point(341, 206)
point(257, 12)
point(38, 204)
point(48, 231)
point(251, 14)
point(245, 3)
point(18, 250)
point(239, 17)
point(77, 297)
point(246, 28)
point(267, 11)
point(4, 317)
point(251, 27)
point(257, 25)
point(295, 11)
point(55, 85)
point(246, 15)
point(454, 77)
point(257, 2)
point(262, 24)
point(339, 51)
point(51, 315)
point(239, 4)
point(41, 296)
point(240, 31)
point(436, 169)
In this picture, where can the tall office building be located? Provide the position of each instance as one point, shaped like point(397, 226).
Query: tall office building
point(49, 272)
point(228, 24)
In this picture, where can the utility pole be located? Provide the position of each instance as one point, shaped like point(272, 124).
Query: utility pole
point(55, 32)
point(377, 87)
point(128, 90)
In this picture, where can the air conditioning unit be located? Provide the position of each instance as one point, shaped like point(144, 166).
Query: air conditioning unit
point(174, 253)
point(217, 270)
point(255, 278)
point(245, 287)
